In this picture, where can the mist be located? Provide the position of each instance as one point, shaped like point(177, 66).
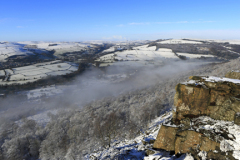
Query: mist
point(95, 84)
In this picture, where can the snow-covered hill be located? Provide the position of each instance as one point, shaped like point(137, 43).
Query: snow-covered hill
point(32, 73)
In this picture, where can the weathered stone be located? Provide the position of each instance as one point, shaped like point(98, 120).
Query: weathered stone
point(235, 90)
point(191, 140)
point(233, 75)
point(187, 140)
point(201, 97)
point(150, 152)
point(191, 101)
point(195, 78)
point(220, 156)
point(237, 118)
point(235, 104)
point(186, 123)
point(208, 145)
point(216, 99)
point(144, 142)
point(148, 141)
point(222, 87)
point(219, 100)
point(210, 84)
point(151, 141)
point(166, 138)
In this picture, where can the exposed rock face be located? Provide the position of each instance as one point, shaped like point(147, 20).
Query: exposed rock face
point(173, 139)
point(166, 138)
point(218, 100)
point(213, 97)
point(237, 118)
point(188, 140)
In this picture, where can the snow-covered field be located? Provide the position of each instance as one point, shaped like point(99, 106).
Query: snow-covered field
point(145, 48)
point(59, 47)
point(111, 49)
point(106, 58)
point(229, 41)
point(11, 49)
point(25, 48)
point(23, 75)
point(179, 41)
point(194, 55)
point(233, 41)
point(141, 55)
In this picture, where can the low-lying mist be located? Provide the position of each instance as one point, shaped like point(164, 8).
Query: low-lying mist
point(94, 84)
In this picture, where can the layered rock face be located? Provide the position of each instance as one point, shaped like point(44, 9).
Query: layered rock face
point(173, 139)
point(213, 98)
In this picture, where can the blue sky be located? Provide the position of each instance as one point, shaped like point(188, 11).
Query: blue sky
point(79, 20)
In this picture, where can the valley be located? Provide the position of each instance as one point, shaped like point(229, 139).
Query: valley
point(90, 82)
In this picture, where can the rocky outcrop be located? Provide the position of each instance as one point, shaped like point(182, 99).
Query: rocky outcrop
point(213, 97)
point(237, 118)
point(166, 138)
point(190, 140)
point(173, 139)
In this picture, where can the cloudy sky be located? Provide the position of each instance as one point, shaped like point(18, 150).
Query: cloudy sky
point(79, 20)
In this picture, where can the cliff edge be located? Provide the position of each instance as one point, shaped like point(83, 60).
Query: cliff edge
point(206, 120)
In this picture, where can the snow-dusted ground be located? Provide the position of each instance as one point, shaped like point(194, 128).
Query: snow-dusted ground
point(229, 41)
point(140, 55)
point(135, 148)
point(179, 41)
point(23, 75)
point(59, 47)
point(145, 54)
point(106, 58)
point(194, 55)
point(229, 49)
point(53, 45)
point(145, 48)
point(219, 126)
point(111, 49)
point(10, 49)
point(218, 79)
point(233, 41)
